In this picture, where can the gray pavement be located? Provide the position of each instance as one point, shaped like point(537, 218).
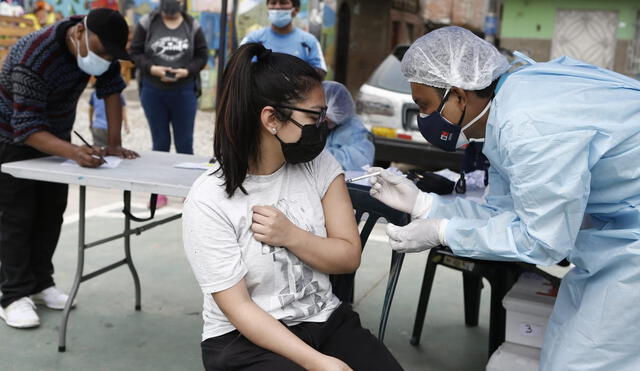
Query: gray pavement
point(140, 137)
point(105, 333)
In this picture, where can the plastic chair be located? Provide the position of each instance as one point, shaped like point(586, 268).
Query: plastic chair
point(501, 277)
point(363, 203)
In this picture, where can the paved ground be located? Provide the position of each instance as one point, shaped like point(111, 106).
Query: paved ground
point(139, 137)
point(105, 333)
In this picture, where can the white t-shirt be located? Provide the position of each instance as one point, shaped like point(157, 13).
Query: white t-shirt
point(221, 249)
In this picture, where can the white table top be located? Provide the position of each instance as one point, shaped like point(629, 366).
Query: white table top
point(152, 172)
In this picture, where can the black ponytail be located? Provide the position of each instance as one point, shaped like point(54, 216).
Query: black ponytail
point(254, 78)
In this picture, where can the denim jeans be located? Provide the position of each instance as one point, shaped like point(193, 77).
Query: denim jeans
point(175, 107)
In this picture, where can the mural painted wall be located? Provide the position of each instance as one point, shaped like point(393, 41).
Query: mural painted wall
point(70, 7)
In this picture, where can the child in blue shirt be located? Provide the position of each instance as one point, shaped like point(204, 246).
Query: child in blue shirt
point(98, 119)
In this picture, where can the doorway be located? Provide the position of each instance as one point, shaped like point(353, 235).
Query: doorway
point(342, 43)
point(587, 35)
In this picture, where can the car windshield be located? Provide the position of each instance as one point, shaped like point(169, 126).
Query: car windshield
point(388, 75)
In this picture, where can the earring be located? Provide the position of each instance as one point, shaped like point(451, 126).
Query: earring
point(274, 130)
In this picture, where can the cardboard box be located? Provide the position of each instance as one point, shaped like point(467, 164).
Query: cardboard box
point(529, 305)
point(514, 357)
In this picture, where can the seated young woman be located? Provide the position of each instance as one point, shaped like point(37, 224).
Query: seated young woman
point(265, 228)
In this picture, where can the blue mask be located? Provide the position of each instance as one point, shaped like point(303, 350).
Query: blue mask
point(280, 17)
point(440, 132)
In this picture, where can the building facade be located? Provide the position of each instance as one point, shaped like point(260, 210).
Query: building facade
point(603, 33)
point(460, 12)
point(367, 31)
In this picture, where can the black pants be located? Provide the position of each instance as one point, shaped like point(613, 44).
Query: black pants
point(341, 336)
point(30, 222)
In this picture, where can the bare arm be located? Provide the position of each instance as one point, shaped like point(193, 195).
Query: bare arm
point(265, 331)
point(90, 117)
point(113, 108)
point(338, 253)
point(48, 143)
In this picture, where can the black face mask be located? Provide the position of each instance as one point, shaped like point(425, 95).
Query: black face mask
point(311, 142)
point(170, 7)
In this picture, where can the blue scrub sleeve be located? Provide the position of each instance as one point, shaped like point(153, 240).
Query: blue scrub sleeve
point(316, 59)
point(549, 182)
point(352, 145)
point(248, 39)
point(498, 200)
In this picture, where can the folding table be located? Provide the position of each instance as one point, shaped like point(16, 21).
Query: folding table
point(152, 172)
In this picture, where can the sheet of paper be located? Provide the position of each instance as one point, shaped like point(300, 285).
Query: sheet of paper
point(194, 165)
point(112, 163)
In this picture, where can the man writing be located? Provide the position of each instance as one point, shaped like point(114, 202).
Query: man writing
point(40, 84)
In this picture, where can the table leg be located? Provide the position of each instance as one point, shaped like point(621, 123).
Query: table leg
point(127, 248)
point(62, 332)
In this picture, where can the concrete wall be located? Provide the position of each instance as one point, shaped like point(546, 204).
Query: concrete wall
point(538, 49)
point(526, 19)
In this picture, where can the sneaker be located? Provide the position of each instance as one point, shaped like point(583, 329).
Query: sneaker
point(20, 314)
point(52, 297)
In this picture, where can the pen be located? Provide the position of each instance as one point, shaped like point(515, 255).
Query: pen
point(351, 180)
point(88, 145)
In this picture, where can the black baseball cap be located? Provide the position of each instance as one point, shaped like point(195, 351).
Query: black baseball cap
point(112, 30)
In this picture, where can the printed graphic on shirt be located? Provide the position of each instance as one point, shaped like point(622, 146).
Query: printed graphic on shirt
point(299, 288)
point(170, 48)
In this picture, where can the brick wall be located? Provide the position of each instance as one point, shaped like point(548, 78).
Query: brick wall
point(469, 12)
point(371, 36)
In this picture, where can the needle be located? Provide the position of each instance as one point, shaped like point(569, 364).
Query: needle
point(351, 180)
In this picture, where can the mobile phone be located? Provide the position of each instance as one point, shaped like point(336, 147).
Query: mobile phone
point(169, 74)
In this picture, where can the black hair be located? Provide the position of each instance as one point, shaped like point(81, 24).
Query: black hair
point(487, 92)
point(253, 79)
point(296, 3)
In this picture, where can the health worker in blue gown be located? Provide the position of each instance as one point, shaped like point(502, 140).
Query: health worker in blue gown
point(563, 140)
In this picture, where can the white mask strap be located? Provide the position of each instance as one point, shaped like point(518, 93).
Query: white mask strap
point(445, 97)
point(86, 36)
point(486, 108)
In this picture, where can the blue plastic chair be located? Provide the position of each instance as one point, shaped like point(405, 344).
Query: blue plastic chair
point(363, 204)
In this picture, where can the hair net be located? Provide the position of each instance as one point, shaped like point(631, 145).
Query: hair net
point(453, 56)
point(340, 106)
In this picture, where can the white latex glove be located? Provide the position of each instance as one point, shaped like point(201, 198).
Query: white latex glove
point(419, 235)
point(398, 192)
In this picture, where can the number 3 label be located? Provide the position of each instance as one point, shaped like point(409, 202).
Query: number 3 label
point(529, 329)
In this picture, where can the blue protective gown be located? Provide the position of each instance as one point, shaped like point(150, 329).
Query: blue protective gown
point(563, 139)
point(351, 144)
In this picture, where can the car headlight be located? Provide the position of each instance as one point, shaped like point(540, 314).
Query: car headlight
point(373, 105)
point(411, 112)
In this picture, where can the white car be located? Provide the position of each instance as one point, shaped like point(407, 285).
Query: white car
point(385, 105)
point(384, 102)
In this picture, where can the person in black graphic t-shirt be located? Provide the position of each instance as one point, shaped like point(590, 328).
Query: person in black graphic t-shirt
point(169, 49)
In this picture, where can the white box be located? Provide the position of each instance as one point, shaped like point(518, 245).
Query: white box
point(529, 304)
point(512, 357)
